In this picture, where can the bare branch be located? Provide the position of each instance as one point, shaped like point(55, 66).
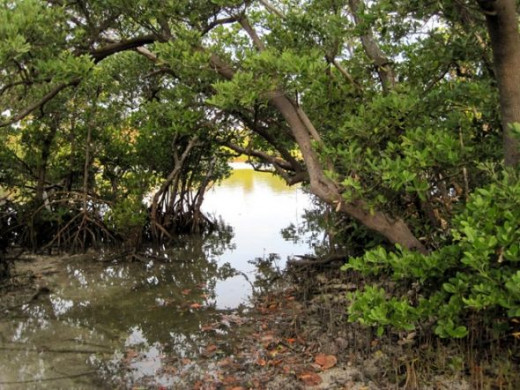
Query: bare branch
point(14, 84)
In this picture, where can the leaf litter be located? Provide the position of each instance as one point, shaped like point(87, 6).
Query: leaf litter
point(262, 348)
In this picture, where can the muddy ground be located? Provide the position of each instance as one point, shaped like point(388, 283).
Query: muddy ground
point(295, 335)
point(285, 344)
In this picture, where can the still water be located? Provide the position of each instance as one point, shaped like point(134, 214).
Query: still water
point(100, 322)
point(258, 206)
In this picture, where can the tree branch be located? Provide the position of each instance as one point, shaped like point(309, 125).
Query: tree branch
point(264, 133)
point(117, 47)
point(218, 22)
point(97, 56)
point(40, 103)
point(252, 33)
point(262, 155)
point(147, 53)
point(345, 73)
point(372, 49)
point(395, 230)
point(221, 67)
point(14, 84)
point(271, 8)
point(281, 166)
point(261, 47)
point(502, 26)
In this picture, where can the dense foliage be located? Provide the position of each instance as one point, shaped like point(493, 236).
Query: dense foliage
point(474, 276)
point(400, 116)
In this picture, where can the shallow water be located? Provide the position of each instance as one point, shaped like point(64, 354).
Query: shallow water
point(258, 206)
point(101, 322)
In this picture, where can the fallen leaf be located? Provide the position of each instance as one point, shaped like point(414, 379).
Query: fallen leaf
point(291, 341)
point(267, 340)
point(169, 370)
point(261, 362)
point(229, 380)
point(211, 348)
point(226, 362)
point(310, 378)
point(131, 353)
point(409, 339)
point(275, 362)
point(325, 361)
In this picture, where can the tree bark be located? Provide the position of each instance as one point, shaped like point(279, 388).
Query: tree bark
point(179, 162)
point(395, 230)
point(502, 25)
point(43, 164)
point(303, 131)
point(373, 51)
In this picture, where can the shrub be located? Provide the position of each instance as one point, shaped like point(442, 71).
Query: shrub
point(476, 273)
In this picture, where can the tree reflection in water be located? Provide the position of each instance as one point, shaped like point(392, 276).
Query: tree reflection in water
point(118, 315)
point(107, 320)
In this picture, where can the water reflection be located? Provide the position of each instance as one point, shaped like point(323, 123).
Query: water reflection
point(247, 181)
point(109, 323)
point(135, 312)
point(258, 206)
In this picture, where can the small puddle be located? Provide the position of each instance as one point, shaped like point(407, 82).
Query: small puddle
point(103, 323)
